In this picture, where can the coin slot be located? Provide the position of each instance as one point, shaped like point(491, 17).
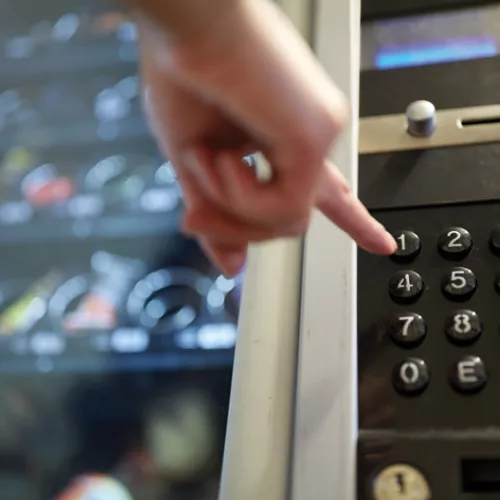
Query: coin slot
point(472, 122)
point(481, 475)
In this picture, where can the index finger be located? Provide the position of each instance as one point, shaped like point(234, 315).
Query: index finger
point(339, 204)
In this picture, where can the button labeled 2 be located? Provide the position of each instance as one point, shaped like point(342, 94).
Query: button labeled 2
point(455, 242)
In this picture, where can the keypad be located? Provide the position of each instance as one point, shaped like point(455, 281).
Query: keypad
point(434, 334)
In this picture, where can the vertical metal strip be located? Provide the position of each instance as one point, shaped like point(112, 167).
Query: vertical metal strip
point(326, 402)
point(258, 440)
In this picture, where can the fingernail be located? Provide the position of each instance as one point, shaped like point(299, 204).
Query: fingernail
point(388, 243)
point(380, 241)
point(391, 243)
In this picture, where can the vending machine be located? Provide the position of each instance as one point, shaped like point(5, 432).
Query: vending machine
point(360, 377)
point(131, 369)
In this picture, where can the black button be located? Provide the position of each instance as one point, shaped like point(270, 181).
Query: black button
point(469, 374)
point(454, 242)
point(406, 286)
point(497, 281)
point(411, 376)
point(495, 240)
point(408, 329)
point(409, 246)
point(463, 327)
point(459, 284)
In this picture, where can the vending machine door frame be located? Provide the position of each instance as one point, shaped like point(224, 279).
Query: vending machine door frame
point(326, 424)
point(292, 426)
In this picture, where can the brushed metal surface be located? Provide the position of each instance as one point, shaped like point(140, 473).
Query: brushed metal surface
point(384, 133)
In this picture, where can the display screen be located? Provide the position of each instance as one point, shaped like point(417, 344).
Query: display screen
point(431, 39)
point(116, 333)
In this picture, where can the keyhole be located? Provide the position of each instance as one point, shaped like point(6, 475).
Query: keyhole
point(401, 483)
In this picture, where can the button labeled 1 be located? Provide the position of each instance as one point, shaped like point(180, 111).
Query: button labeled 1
point(409, 246)
point(401, 482)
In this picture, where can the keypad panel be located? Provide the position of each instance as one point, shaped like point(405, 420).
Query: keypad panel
point(429, 321)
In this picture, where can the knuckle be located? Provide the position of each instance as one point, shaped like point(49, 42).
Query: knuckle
point(313, 142)
point(345, 190)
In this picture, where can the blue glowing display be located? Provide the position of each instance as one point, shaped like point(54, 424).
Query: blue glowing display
point(420, 55)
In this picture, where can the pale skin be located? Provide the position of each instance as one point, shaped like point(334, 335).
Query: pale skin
point(225, 78)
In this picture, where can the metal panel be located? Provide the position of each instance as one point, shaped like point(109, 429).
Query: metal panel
point(462, 126)
point(326, 416)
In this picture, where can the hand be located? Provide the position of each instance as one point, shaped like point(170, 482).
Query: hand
point(249, 84)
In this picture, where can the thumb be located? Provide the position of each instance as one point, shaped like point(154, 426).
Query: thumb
point(338, 203)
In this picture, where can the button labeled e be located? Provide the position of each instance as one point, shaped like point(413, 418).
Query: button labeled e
point(469, 374)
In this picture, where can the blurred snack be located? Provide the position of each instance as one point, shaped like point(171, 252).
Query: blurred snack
point(16, 162)
point(119, 179)
point(225, 296)
point(30, 307)
point(95, 487)
point(44, 187)
point(168, 300)
point(92, 303)
point(181, 436)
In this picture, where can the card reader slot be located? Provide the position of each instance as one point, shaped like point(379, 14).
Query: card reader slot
point(480, 475)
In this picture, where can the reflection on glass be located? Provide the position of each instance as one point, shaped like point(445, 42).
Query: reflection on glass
point(117, 336)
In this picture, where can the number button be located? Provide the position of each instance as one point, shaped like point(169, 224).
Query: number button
point(408, 329)
point(497, 282)
point(455, 242)
point(411, 376)
point(409, 246)
point(463, 327)
point(406, 286)
point(469, 374)
point(459, 284)
point(495, 240)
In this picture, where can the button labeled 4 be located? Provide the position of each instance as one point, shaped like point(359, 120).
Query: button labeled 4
point(406, 286)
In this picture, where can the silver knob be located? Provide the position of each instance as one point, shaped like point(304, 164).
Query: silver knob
point(421, 118)
point(401, 482)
